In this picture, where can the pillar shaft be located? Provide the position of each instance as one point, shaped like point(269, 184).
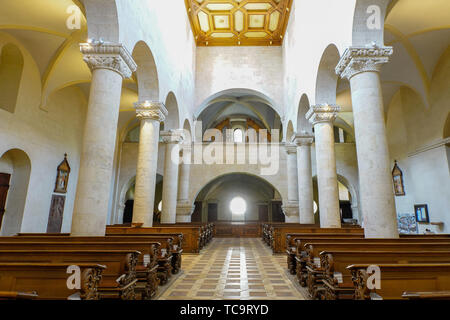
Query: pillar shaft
point(184, 206)
point(290, 208)
point(150, 115)
point(109, 63)
point(322, 117)
point(170, 180)
point(305, 185)
point(361, 66)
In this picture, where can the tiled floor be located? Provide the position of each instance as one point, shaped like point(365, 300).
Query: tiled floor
point(230, 268)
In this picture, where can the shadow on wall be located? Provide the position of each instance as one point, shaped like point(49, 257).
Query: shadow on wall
point(15, 168)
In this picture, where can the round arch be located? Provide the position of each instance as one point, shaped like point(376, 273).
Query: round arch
point(303, 125)
point(17, 164)
point(146, 72)
point(172, 120)
point(327, 79)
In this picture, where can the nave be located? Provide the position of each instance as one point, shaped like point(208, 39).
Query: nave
point(234, 269)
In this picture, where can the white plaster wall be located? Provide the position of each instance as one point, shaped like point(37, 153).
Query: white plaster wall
point(255, 68)
point(44, 137)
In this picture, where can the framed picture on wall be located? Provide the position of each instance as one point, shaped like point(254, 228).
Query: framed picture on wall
point(397, 178)
point(421, 211)
point(407, 223)
point(62, 176)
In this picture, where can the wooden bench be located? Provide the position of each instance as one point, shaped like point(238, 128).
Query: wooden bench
point(152, 268)
point(310, 255)
point(48, 280)
point(118, 281)
point(279, 233)
point(293, 243)
point(191, 235)
point(332, 280)
point(396, 278)
point(16, 295)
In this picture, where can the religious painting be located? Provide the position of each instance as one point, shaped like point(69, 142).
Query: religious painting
point(407, 223)
point(421, 211)
point(62, 176)
point(397, 177)
point(55, 217)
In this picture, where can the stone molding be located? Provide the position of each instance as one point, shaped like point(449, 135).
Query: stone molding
point(111, 56)
point(357, 60)
point(171, 136)
point(291, 209)
point(291, 148)
point(151, 110)
point(303, 139)
point(322, 113)
point(184, 208)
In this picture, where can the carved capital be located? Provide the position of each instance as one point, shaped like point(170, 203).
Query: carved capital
point(303, 139)
point(171, 136)
point(150, 110)
point(112, 56)
point(356, 60)
point(291, 209)
point(322, 113)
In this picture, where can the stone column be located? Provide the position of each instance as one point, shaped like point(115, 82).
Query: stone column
point(110, 63)
point(151, 114)
point(290, 208)
point(170, 181)
point(361, 65)
point(322, 118)
point(184, 207)
point(305, 185)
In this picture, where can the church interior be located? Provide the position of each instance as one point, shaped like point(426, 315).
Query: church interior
point(224, 150)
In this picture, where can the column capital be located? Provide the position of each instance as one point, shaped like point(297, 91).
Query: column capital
point(171, 136)
point(291, 209)
point(291, 148)
point(322, 113)
point(356, 60)
point(303, 139)
point(112, 56)
point(151, 110)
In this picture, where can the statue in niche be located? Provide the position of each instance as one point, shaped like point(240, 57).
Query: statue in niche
point(62, 177)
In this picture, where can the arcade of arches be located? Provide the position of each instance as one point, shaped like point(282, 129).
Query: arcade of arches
point(313, 116)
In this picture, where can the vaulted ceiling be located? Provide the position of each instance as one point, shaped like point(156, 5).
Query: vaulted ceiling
point(239, 22)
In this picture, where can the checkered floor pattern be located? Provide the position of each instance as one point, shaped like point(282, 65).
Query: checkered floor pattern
point(231, 268)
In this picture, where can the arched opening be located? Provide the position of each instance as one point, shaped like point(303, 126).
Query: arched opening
point(172, 120)
point(128, 201)
point(146, 73)
point(238, 197)
point(327, 79)
point(11, 67)
point(289, 132)
point(15, 168)
point(303, 125)
point(239, 108)
point(348, 201)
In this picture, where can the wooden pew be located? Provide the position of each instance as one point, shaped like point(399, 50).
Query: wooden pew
point(152, 267)
point(293, 243)
point(398, 278)
point(191, 235)
point(16, 295)
point(432, 295)
point(310, 257)
point(171, 242)
point(48, 280)
point(118, 281)
point(279, 233)
point(332, 280)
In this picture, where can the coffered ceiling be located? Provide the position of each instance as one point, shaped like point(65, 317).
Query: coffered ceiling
point(239, 22)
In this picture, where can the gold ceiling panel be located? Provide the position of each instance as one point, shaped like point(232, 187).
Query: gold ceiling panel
point(239, 22)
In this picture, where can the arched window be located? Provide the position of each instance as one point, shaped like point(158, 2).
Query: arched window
point(11, 67)
point(238, 135)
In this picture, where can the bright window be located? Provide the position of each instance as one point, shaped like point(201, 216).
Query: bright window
point(238, 135)
point(238, 206)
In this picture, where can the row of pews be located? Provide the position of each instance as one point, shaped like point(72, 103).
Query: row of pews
point(128, 263)
point(338, 264)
